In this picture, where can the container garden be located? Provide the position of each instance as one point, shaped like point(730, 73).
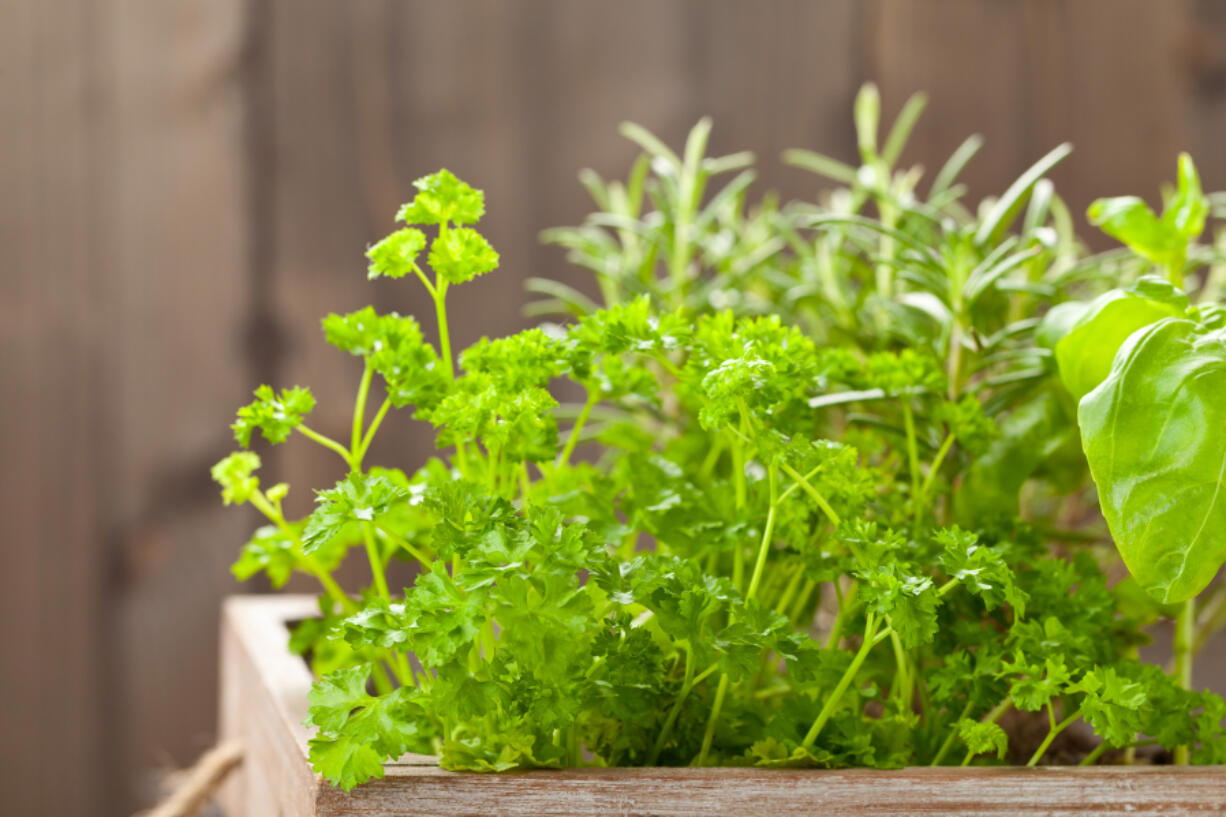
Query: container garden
point(263, 702)
point(850, 489)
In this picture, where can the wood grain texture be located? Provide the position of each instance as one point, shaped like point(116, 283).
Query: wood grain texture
point(264, 701)
point(56, 261)
point(181, 283)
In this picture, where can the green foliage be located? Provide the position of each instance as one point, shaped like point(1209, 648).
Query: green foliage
point(1163, 240)
point(1086, 351)
point(821, 500)
point(1153, 438)
point(236, 476)
point(275, 415)
point(396, 255)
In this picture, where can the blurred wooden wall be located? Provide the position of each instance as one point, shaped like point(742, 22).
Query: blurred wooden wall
point(185, 188)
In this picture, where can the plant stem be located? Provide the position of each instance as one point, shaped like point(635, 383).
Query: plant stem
point(403, 543)
point(755, 580)
point(789, 590)
point(372, 428)
point(573, 439)
point(686, 686)
point(802, 599)
point(308, 563)
point(764, 547)
point(935, 468)
point(949, 739)
point(908, 420)
point(1051, 735)
point(906, 684)
point(1185, 641)
point(359, 417)
point(1210, 618)
point(326, 442)
point(444, 336)
point(1095, 754)
point(709, 735)
point(376, 562)
point(846, 603)
point(870, 633)
point(803, 481)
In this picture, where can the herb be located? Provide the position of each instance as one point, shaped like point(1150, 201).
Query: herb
point(822, 500)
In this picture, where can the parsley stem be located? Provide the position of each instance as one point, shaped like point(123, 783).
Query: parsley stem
point(667, 365)
point(307, 562)
point(525, 483)
point(444, 336)
point(802, 600)
point(846, 603)
point(903, 677)
point(812, 492)
point(709, 735)
point(1185, 642)
point(953, 733)
point(908, 420)
point(383, 684)
point(1104, 747)
point(832, 701)
point(424, 279)
point(403, 543)
point(372, 428)
point(575, 430)
point(326, 442)
point(934, 468)
point(376, 562)
point(1051, 735)
point(789, 590)
point(764, 547)
point(686, 686)
point(359, 417)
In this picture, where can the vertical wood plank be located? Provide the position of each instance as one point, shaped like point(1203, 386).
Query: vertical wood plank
point(55, 267)
point(971, 60)
point(180, 291)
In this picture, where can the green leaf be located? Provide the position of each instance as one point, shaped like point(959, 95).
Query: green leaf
point(269, 551)
point(396, 255)
point(1129, 220)
point(1112, 704)
point(462, 254)
point(1152, 433)
point(443, 198)
point(1006, 208)
point(394, 346)
point(356, 498)
point(358, 731)
point(276, 416)
point(867, 112)
point(1186, 211)
point(983, 737)
point(236, 475)
point(980, 569)
point(1085, 352)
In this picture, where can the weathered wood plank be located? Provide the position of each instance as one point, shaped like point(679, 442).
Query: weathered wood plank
point(180, 290)
point(263, 689)
point(264, 700)
point(56, 263)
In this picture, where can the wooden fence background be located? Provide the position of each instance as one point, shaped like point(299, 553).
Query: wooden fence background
point(186, 187)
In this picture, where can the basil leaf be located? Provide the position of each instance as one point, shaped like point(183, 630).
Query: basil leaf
point(1153, 435)
point(1085, 353)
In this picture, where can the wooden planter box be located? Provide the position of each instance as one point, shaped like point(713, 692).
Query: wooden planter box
point(263, 701)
